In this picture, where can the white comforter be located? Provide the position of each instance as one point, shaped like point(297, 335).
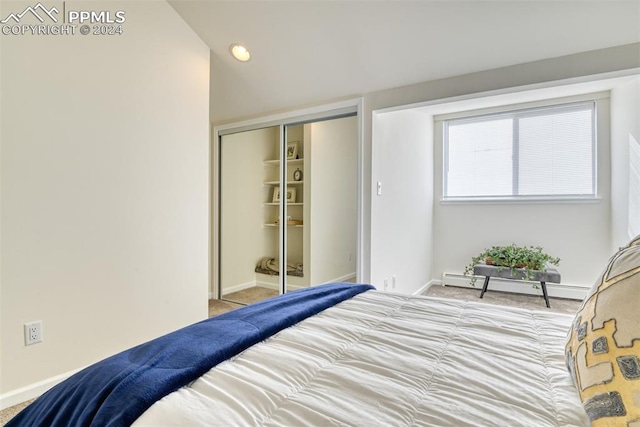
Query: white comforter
point(389, 360)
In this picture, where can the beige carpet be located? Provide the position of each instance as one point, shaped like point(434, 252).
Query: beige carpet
point(239, 299)
point(11, 412)
point(217, 307)
point(534, 302)
point(250, 295)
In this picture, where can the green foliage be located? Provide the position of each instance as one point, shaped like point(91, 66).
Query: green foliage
point(527, 258)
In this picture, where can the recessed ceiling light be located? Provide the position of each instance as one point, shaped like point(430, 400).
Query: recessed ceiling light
point(240, 52)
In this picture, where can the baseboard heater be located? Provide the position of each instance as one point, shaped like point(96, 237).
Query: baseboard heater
point(558, 290)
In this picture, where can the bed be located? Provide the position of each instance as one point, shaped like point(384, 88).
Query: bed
point(390, 360)
point(351, 356)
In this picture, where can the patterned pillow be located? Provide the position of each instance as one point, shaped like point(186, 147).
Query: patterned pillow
point(603, 348)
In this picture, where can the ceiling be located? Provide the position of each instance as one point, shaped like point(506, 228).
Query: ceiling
point(309, 52)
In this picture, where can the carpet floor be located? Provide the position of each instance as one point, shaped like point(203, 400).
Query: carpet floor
point(533, 302)
point(250, 295)
point(239, 299)
point(12, 411)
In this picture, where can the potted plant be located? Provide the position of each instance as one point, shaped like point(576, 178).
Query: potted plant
point(527, 258)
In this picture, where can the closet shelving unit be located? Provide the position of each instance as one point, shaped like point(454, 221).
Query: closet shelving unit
point(296, 210)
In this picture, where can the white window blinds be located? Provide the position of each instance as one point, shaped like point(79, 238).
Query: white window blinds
point(547, 152)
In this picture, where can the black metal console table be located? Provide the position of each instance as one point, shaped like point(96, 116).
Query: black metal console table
point(550, 275)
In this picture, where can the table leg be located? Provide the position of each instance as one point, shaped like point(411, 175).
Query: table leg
point(486, 285)
point(544, 292)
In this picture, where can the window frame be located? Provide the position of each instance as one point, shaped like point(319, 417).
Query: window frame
point(522, 112)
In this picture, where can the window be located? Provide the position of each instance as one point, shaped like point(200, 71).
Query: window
point(537, 153)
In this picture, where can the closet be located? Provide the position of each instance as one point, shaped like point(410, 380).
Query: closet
point(287, 192)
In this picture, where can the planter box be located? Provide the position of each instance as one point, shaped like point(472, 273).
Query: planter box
point(550, 275)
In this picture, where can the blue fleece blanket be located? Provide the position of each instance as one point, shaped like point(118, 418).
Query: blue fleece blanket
point(117, 390)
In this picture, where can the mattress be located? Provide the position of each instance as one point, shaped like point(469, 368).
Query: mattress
point(382, 359)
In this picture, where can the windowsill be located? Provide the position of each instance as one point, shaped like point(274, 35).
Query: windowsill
point(520, 201)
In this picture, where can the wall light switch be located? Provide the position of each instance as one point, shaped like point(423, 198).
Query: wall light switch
point(379, 191)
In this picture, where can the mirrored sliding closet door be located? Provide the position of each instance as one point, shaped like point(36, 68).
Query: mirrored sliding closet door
point(287, 192)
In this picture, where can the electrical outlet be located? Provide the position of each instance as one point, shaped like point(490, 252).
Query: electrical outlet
point(386, 283)
point(33, 332)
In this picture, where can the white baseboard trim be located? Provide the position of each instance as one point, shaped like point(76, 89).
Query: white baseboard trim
point(32, 391)
point(275, 285)
point(268, 285)
point(342, 278)
point(423, 289)
point(239, 287)
point(557, 290)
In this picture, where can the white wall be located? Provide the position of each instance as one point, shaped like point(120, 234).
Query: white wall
point(333, 183)
point(543, 73)
point(401, 217)
point(578, 233)
point(104, 186)
point(625, 124)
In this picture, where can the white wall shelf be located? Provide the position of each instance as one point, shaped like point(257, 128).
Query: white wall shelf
point(289, 162)
point(288, 182)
